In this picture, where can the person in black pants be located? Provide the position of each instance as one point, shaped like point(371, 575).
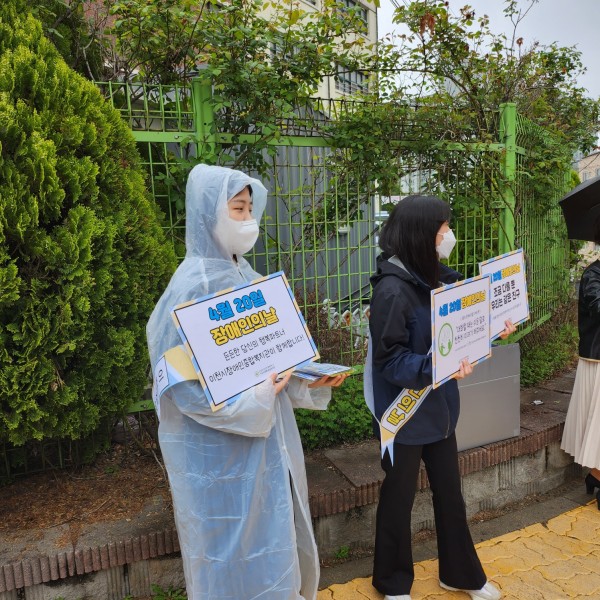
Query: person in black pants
point(414, 238)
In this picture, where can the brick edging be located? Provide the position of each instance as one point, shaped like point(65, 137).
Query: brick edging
point(61, 565)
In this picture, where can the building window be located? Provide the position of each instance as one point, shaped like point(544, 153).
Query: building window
point(358, 9)
point(350, 82)
point(597, 172)
point(585, 176)
point(283, 51)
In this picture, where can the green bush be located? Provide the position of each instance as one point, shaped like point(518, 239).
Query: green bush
point(346, 420)
point(82, 254)
point(551, 348)
point(159, 593)
point(66, 26)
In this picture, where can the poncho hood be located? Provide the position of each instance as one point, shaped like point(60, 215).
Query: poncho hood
point(207, 268)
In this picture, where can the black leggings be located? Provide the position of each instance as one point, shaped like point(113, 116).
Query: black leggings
point(459, 566)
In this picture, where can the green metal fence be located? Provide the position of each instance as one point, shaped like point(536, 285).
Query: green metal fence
point(541, 233)
point(322, 222)
point(51, 453)
point(321, 227)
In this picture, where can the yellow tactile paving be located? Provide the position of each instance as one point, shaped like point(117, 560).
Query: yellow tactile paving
point(557, 560)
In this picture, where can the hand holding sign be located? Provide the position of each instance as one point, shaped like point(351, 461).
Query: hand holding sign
point(329, 381)
point(279, 384)
point(464, 370)
point(508, 330)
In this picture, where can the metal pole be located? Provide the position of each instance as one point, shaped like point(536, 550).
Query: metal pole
point(204, 120)
point(508, 137)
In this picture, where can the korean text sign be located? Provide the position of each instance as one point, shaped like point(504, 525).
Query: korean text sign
point(508, 289)
point(460, 326)
point(237, 337)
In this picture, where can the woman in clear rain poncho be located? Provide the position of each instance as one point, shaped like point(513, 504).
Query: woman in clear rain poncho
point(237, 475)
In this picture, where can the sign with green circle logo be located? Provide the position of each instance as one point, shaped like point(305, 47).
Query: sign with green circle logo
point(460, 327)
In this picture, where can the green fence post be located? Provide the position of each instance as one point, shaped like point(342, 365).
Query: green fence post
point(204, 120)
point(508, 137)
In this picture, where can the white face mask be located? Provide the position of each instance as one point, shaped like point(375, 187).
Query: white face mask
point(446, 245)
point(236, 237)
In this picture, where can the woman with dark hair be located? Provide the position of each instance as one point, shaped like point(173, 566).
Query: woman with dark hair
point(581, 438)
point(416, 235)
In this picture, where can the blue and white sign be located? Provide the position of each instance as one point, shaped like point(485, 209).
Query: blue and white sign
point(508, 289)
point(460, 326)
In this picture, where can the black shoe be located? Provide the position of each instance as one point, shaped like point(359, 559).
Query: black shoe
point(590, 483)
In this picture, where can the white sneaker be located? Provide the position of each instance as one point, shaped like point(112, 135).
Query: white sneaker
point(403, 597)
point(488, 592)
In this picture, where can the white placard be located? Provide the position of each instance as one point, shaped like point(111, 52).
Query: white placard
point(460, 323)
point(239, 336)
point(508, 289)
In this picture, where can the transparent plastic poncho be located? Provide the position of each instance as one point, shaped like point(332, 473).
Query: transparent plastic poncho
point(237, 475)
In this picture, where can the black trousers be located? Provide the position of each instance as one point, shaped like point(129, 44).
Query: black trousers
point(459, 566)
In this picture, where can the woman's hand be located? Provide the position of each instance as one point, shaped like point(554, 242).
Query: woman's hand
point(327, 381)
point(280, 385)
point(465, 369)
point(508, 329)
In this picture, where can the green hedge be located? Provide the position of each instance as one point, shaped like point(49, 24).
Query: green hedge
point(67, 27)
point(82, 254)
point(550, 349)
point(347, 418)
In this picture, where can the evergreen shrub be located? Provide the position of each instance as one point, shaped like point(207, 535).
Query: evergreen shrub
point(66, 26)
point(82, 254)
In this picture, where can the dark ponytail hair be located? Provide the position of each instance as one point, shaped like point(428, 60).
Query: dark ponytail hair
point(409, 233)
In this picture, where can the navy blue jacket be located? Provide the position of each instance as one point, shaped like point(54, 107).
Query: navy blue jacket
point(400, 325)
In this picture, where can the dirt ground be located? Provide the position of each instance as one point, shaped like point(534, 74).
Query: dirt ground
point(116, 486)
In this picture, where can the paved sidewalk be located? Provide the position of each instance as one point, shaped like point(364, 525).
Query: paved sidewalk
point(554, 560)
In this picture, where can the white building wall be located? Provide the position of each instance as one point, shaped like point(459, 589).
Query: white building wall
point(589, 166)
point(349, 83)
